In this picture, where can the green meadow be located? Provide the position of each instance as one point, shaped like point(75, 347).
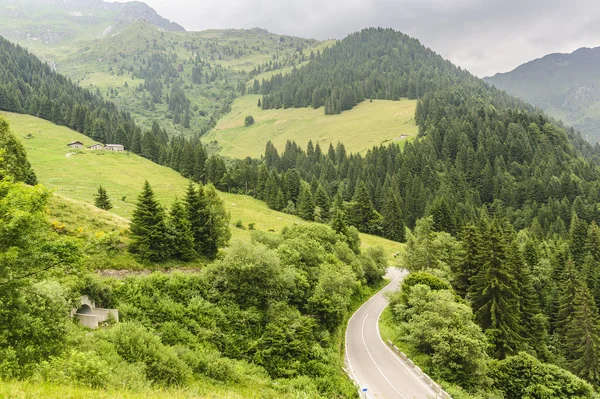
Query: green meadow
point(76, 175)
point(360, 129)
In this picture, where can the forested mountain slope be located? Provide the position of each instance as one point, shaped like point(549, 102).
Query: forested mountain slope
point(567, 86)
point(184, 80)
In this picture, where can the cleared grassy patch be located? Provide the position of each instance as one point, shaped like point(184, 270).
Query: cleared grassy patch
point(78, 176)
point(366, 125)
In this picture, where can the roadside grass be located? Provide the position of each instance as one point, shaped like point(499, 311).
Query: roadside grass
point(203, 389)
point(367, 125)
point(78, 177)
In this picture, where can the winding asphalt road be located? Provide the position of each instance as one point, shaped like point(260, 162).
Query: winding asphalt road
point(371, 363)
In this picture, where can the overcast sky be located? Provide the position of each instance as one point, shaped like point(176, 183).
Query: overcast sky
point(483, 36)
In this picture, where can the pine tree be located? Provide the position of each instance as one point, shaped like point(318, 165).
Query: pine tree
point(361, 213)
point(463, 273)
point(180, 230)
point(494, 291)
point(195, 206)
point(323, 202)
point(217, 224)
point(187, 164)
point(570, 284)
point(443, 218)
point(149, 236)
point(392, 224)
point(582, 340)
point(578, 234)
point(279, 202)
point(199, 163)
point(305, 205)
point(101, 199)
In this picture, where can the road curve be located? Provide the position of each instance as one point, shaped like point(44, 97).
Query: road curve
point(371, 363)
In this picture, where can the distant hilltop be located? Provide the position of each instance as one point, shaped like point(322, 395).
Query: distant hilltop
point(54, 21)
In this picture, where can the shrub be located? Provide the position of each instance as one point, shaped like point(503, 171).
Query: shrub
point(136, 344)
point(249, 121)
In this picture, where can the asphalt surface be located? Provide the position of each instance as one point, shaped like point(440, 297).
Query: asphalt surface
point(371, 363)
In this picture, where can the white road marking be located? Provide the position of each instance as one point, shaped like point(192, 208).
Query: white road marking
point(373, 359)
point(400, 360)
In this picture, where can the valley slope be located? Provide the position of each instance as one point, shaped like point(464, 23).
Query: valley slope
point(76, 175)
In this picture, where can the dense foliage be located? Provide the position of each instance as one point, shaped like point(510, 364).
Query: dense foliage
point(199, 227)
point(373, 63)
point(529, 301)
point(267, 315)
point(33, 310)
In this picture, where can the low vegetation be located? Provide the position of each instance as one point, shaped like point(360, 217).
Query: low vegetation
point(367, 125)
point(268, 315)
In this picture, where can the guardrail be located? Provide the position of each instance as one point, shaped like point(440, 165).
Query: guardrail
point(440, 393)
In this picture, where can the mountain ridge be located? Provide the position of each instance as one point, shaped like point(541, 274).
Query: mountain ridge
point(52, 22)
point(565, 85)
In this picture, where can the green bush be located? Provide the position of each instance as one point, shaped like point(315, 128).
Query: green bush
point(81, 368)
point(135, 343)
point(523, 376)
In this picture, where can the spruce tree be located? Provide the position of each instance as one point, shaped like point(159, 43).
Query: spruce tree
point(101, 199)
point(279, 202)
point(578, 234)
point(582, 340)
point(322, 201)
point(305, 206)
point(463, 273)
point(149, 236)
point(443, 218)
point(361, 213)
point(216, 228)
point(392, 224)
point(195, 206)
point(199, 163)
point(180, 230)
point(494, 291)
point(570, 284)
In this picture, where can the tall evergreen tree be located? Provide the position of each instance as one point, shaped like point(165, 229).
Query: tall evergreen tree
point(217, 223)
point(197, 215)
point(494, 291)
point(361, 213)
point(305, 205)
point(582, 340)
point(392, 225)
point(101, 199)
point(199, 163)
point(180, 231)
point(323, 202)
point(149, 236)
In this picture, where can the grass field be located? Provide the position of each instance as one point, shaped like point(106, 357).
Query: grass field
point(201, 390)
point(78, 176)
point(366, 125)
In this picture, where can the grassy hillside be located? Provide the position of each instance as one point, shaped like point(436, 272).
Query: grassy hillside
point(77, 174)
point(567, 86)
point(365, 126)
point(138, 68)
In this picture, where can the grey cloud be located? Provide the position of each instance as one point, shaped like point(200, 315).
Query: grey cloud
point(483, 36)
